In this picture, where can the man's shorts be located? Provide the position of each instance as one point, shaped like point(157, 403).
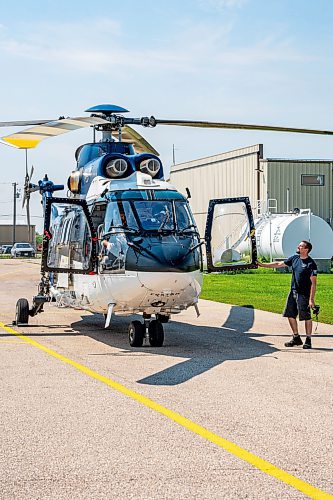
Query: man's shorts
point(297, 304)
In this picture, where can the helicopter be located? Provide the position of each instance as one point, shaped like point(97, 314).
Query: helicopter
point(124, 240)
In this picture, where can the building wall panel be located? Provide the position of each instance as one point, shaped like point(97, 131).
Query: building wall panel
point(283, 174)
point(21, 234)
point(221, 176)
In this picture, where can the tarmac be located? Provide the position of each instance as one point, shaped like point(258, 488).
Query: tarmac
point(223, 410)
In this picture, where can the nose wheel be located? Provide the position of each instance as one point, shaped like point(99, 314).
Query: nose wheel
point(138, 331)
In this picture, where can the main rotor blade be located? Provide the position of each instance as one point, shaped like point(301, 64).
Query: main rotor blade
point(23, 123)
point(187, 123)
point(128, 134)
point(31, 137)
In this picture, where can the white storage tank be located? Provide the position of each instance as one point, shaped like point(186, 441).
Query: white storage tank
point(278, 235)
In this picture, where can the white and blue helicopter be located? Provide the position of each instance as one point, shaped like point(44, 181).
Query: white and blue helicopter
point(123, 240)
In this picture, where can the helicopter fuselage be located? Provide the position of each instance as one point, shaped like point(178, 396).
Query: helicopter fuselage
point(149, 251)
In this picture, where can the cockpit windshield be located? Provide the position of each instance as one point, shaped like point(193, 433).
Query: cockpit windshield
point(155, 215)
point(119, 215)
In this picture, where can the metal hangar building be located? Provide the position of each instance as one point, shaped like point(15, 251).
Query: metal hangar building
point(272, 184)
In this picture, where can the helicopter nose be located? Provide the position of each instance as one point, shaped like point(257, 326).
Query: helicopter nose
point(171, 254)
point(168, 255)
point(170, 284)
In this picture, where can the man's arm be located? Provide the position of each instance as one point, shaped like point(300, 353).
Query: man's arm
point(271, 264)
point(313, 290)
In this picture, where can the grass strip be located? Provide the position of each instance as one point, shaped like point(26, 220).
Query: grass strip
point(264, 289)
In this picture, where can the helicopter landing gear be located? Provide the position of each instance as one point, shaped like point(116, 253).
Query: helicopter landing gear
point(22, 312)
point(163, 318)
point(151, 330)
point(22, 305)
point(156, 333)
point(136, 333)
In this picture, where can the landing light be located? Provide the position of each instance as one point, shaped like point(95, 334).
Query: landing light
point(116, 168)
point(74, 182)
point(150, 166)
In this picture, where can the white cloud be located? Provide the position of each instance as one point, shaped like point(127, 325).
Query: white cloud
point(100, 46)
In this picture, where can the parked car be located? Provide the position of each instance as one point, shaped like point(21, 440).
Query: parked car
point(23, 250)
point(6, 249)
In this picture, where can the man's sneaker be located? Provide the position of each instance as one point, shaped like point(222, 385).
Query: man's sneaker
point(296, 340)
point(307, 343)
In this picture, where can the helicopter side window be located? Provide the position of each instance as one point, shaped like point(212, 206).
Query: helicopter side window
point(113, 248)
point(155, 215)
point(113, 253)
point(112, 217)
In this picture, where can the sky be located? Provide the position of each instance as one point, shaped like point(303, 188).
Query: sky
point(249, 61)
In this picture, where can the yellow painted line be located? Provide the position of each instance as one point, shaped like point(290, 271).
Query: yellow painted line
point(226, 445)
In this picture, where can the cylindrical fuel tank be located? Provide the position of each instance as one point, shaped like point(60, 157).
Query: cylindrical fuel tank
point(278, 235)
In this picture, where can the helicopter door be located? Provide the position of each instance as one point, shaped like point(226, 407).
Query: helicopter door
point(229, 235)
point(69, 242)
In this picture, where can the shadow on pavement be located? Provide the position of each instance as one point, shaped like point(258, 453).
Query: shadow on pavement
point(203, 347)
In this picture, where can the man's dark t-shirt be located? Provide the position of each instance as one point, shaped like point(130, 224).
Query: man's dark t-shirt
point(302, 270)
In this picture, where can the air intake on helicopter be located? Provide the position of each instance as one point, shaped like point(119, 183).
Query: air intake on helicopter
point(150, 166)
point(116, 168)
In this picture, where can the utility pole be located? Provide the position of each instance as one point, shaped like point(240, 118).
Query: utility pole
point(173, 155)
point(14, 184)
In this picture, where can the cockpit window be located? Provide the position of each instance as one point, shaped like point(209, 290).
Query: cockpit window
point(148, 215)
point(183, 216)
point(119, 215)
point(155, 215)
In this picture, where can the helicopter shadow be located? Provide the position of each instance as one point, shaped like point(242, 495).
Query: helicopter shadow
point(203, 347)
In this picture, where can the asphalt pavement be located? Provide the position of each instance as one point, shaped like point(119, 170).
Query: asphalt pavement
point(223, 410)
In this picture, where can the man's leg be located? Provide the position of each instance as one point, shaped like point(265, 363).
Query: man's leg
point(305, 315)
point(293, 325)
point(291, 312)
point(296, 339)
point(308, 331)
point(308, 327)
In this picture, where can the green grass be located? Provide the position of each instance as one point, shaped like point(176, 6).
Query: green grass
point(264, 289)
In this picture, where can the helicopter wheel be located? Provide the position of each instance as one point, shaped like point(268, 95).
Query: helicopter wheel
point(22, 311)
point(136, 333)
point(156, 333)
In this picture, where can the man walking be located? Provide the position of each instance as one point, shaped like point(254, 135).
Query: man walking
point(301, 298)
